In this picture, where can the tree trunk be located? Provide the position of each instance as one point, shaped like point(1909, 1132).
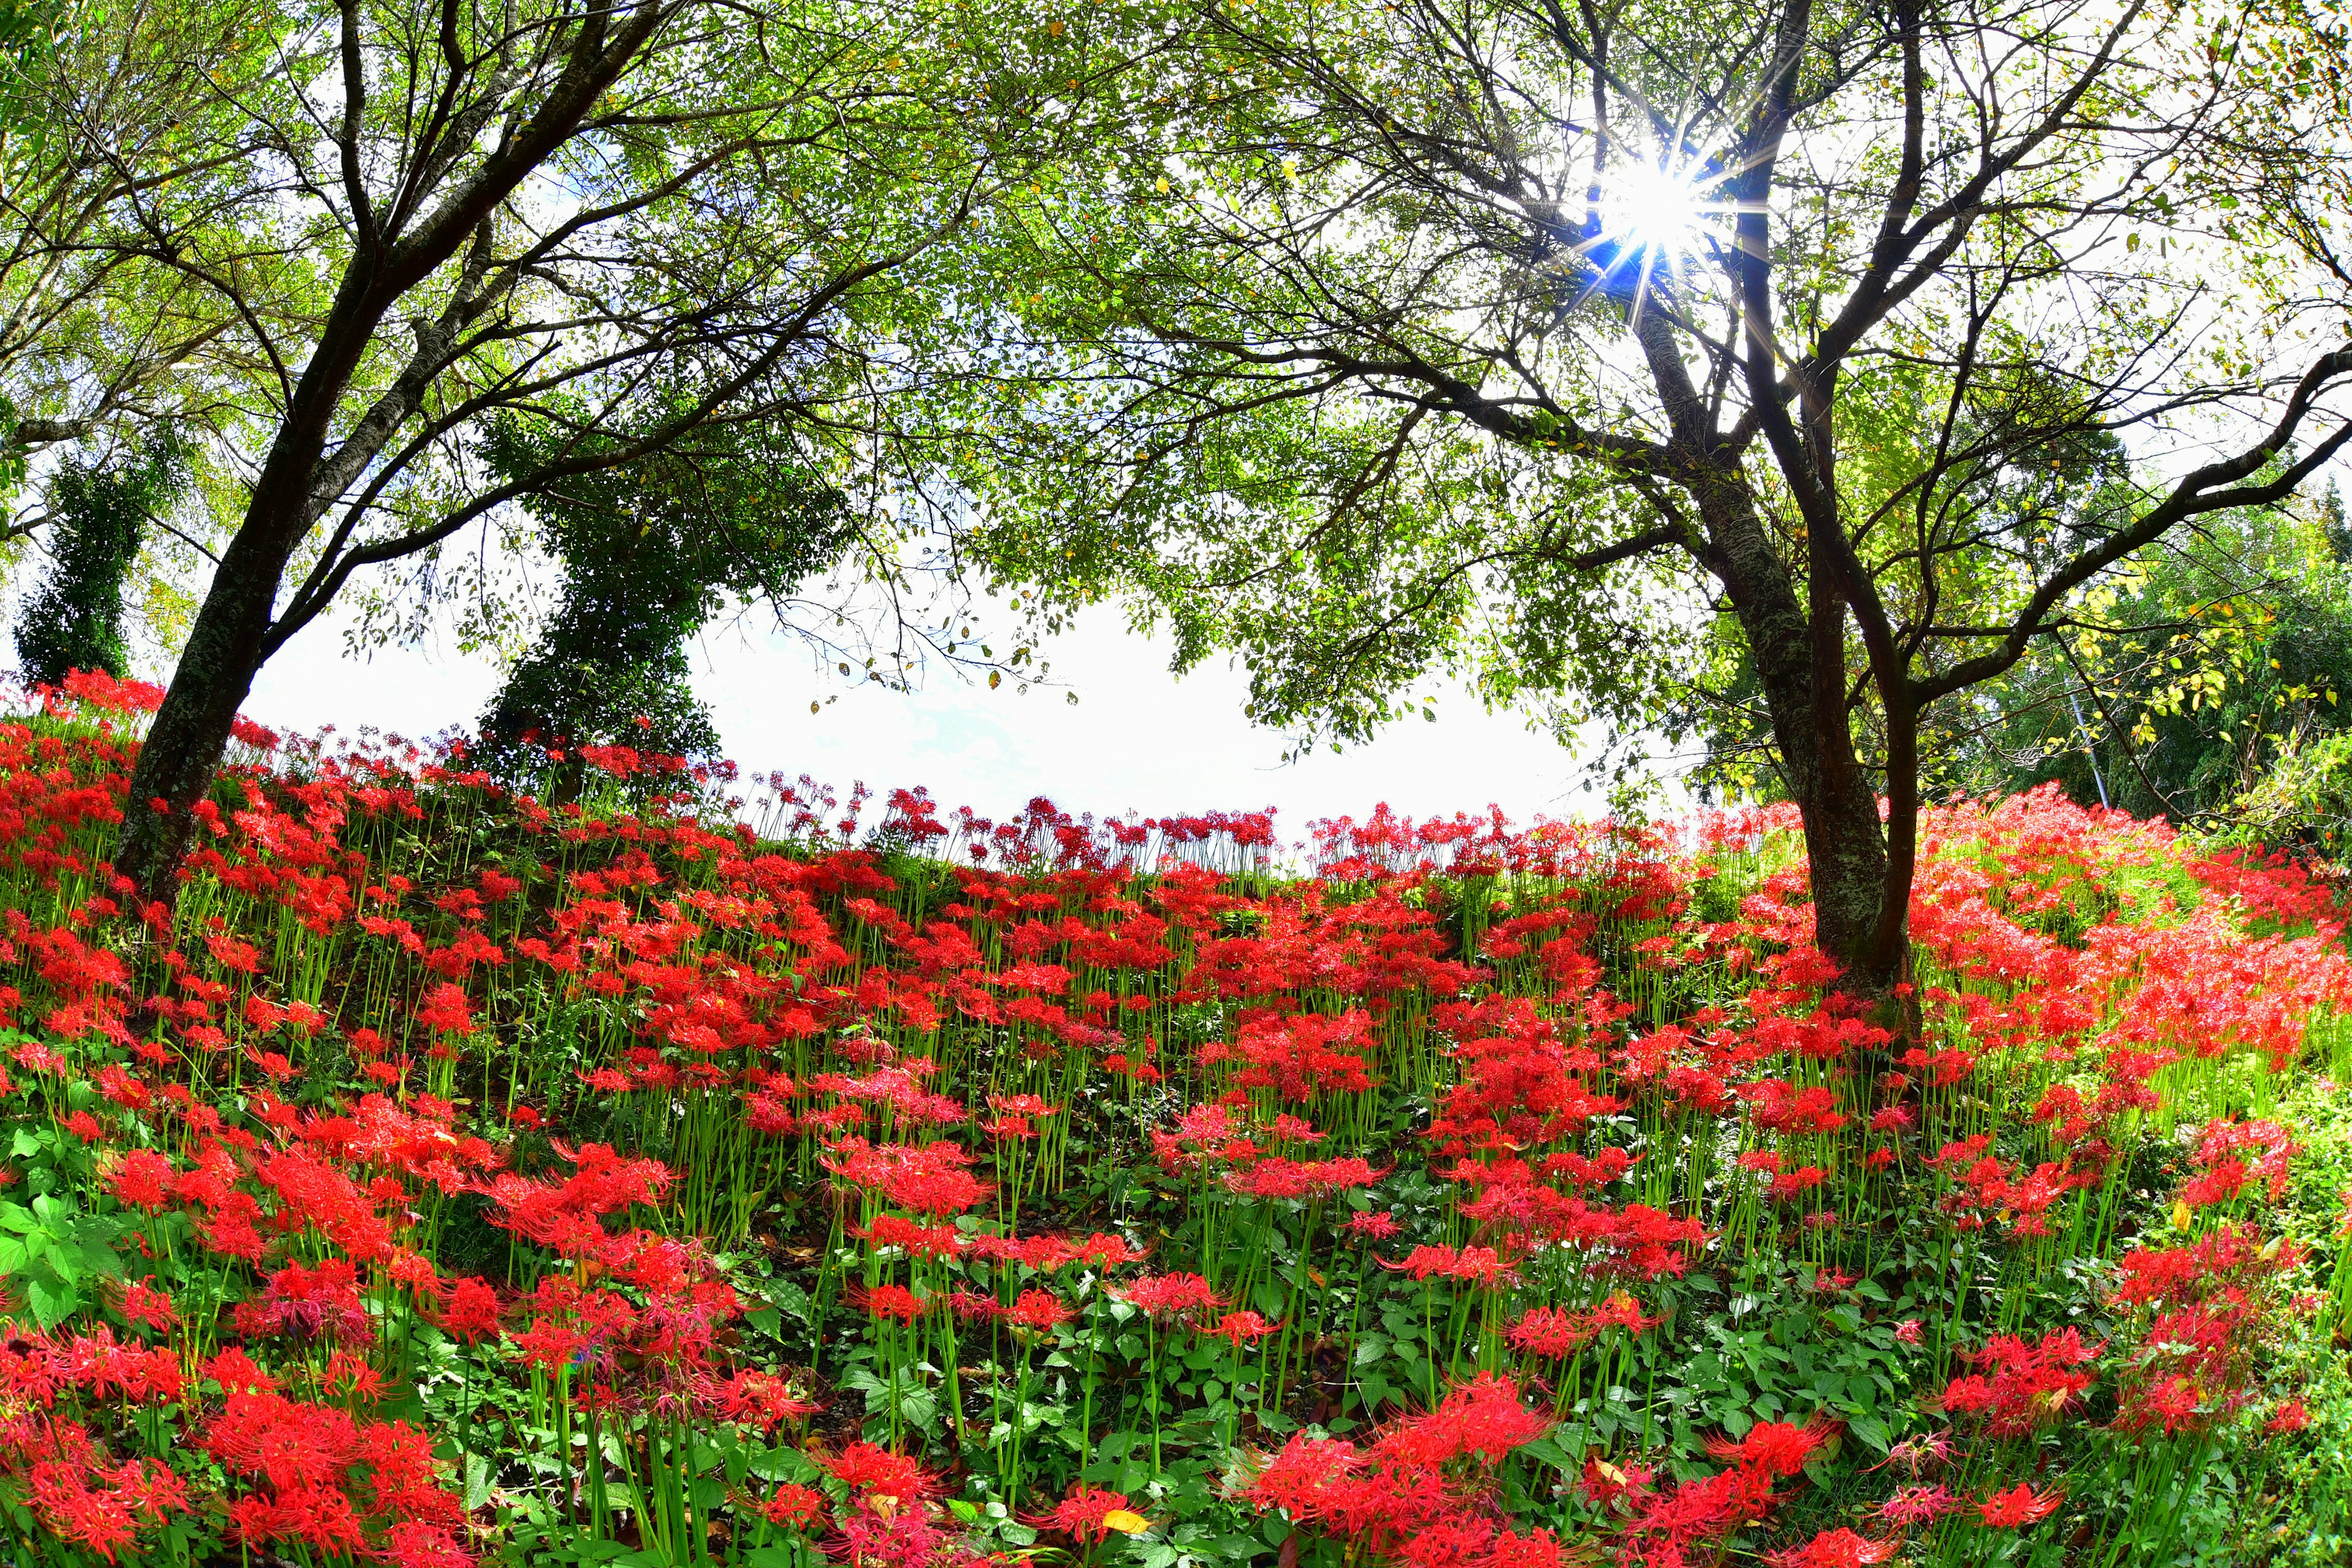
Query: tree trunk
point(1845, 852)
point(1799, 666)
point(183, 747)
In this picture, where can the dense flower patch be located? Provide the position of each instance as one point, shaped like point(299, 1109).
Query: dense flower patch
point(446, 1177)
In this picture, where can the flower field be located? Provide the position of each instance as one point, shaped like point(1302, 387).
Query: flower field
point(449, 1178)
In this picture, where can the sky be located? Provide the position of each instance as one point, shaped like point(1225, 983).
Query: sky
point(1138, 739)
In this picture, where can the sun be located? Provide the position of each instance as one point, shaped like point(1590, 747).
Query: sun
point(1654, 215)
point(1658, 211)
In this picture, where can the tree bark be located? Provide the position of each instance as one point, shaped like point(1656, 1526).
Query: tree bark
point(1799, 653)
point(190, 732)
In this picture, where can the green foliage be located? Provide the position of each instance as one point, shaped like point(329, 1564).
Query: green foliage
point(650, 550)
point(2211, 684)
point(75, 621)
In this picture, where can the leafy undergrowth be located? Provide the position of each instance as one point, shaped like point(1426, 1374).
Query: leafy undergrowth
point(446, 1177)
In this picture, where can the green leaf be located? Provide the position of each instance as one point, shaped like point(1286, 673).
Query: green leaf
point(790, 1299)
point(51, 1304)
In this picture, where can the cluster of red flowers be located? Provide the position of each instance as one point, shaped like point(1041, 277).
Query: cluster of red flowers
point(285, 1087)
point(1421, 1492)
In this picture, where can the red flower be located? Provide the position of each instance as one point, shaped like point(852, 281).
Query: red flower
point(872, 1473)
point(1040, 1311)
point(149, 1309)
point(761, 1399)
point(1242, 1328)
point(1918, 1505)
point(795, 1507)
point(1170, 1295)
point(469, 1312)
point(1833, 1548)
point(1090, 1513)
point(1775, 1447)
point(2020, 1506)
point(2291, 1417)
point(444, 1011)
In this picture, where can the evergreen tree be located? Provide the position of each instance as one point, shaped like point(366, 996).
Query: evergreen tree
point(649, 551)
point(100, 512)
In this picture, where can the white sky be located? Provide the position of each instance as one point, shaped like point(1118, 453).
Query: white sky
point(1139, 739)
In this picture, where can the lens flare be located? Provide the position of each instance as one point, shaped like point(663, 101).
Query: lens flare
point(1653, 210)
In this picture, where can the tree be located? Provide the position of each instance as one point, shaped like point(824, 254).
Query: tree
point(99, 106)
point(98, 516)
point(2217, 660)
point(1529, 338)
point(555, 210)
point(649, 552)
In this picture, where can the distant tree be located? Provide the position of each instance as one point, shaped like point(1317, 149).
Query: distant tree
point(98, 518)
point(2215, 663)
point(649, 551)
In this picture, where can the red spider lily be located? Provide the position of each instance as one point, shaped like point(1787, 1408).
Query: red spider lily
point(1243, 1327)
point(873, 1474)
point(777, 1012)
point(1920, 1452)
point(323, 1302)
point(109, 1515)
point(1919, 1505)
point(795, 1507)
point(2020, 1506)
point(149, 1307)
point(920, 1240)
point(141, 1179)
point(469, 1311)
point(1172, 1295)
point(1482, 1418)
point(2026, 1385)
point(893, 1303)
point(1040, 1311)
point(1089, 1514)
point(761, 1400)
point(1480, 1265)
point(1404, 1487)
point(930, 1180)
point(1603, 1483)
point(1554, 1332)
point(1834, 1549)
point(1776, 1448)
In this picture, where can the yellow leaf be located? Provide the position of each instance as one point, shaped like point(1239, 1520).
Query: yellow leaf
point(1126, 1522)
point(995, 678)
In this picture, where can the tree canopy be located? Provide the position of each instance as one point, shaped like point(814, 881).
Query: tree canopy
point(401, 223)
point(1543, 342)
